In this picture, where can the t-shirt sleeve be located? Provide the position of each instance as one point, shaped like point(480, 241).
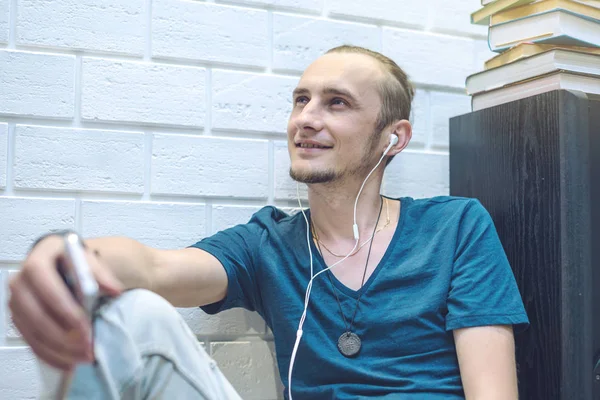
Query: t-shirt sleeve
point(483, 289)
point(235, 248)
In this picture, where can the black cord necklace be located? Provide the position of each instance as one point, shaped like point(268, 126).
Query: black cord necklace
point(349, 344)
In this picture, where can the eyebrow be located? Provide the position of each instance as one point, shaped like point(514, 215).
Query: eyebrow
point(328, 90)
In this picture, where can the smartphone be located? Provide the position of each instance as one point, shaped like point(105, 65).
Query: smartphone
point(77, 274)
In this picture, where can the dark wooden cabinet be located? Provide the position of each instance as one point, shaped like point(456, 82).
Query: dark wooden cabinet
point(535, 165)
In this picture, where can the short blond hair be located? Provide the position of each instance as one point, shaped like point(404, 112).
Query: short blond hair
point(396, 91)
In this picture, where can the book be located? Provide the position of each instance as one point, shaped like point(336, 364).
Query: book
point(554, 27)
point(524, 50)
point(589, 84)
point(482, 16)
point(530, 67)
point(589, 8)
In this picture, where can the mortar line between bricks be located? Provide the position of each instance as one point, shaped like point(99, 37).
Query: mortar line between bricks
point(77, 87)
point(148, 33)
point(208, 102)
point(271, 173)
point(50, 194)
point(357, 19)
point(147, 166)
point(325, 9)
point(121, 126)
point(12, 18)
point(65, 51)
point(302, 12)
point(131, 127)
point(429, 123)
point(240, 134)
point(3, 306)
point(10, 159)
point(78, 218)
point(8, 265)
point(139, 58)
point(208, 228)
point(15, 343)
point(430, 17)
point(270, 40)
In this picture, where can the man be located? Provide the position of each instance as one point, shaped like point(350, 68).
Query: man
point(421, 302)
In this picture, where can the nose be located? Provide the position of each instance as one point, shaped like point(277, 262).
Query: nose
point(310, 117)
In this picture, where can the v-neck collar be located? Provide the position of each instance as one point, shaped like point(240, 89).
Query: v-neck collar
point(320, 262)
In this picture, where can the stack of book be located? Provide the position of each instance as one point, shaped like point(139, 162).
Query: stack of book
point(542, 45)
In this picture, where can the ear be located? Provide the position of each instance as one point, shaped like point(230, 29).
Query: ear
point(402, 129)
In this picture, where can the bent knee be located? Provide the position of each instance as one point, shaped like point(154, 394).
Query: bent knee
point(142, 310)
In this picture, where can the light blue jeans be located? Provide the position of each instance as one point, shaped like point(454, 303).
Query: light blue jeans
point(145, 350)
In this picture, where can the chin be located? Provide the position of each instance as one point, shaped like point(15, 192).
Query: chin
point(308, 175)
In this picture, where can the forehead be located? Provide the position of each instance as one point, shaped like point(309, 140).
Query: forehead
point(357, 73)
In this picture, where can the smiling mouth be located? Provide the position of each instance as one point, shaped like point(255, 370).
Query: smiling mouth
point(311, 146)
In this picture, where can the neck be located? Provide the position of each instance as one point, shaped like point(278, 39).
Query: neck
point(332, 208)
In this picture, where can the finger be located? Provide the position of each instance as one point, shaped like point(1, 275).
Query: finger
point(44, 353)
point(42, 277)
point(35, 318)
point(107, 281)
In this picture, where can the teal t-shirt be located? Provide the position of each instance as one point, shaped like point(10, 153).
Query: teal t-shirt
point(444, 269)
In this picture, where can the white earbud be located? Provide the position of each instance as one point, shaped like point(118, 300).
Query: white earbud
point(393, 139)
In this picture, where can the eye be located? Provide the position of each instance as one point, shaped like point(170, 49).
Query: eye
point(338, 101)
point(301, 100)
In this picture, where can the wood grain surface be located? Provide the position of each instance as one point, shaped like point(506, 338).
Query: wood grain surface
point(528, 162)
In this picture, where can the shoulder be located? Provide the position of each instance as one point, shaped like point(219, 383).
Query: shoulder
point(444, 207)
point(267, 221)
point(271, 216)
point(270, 220)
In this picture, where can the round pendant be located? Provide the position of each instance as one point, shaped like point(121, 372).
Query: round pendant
point(349, 344)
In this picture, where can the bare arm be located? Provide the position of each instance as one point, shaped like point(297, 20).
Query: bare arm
point(486, 356)
point(45, 312)
point(186, 277)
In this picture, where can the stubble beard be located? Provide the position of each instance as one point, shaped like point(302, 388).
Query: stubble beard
point(309, 177)
point(331, 175)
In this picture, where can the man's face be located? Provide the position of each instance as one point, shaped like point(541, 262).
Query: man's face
point(331, 128)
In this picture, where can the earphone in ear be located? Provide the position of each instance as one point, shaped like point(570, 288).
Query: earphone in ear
point(393, 139)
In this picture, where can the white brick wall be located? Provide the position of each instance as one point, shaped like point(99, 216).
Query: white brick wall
point(111, 25)
point(24, 219)
point(453, 17)
point(297, 41)
point(161, 225)
point(224, 217)
point(203, 166)
point(3, 153)
point(18, 369)
point(200, 31)
point(77, 159)
point(258, 102)
point(250, 366)
point(165, 120)
point(4, 18)
point(37, 84)
point(397, 12)
point(312, 6)
point(432, 58)
point(142, 92)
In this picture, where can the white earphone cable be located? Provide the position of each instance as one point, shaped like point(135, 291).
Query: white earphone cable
point(300, 332)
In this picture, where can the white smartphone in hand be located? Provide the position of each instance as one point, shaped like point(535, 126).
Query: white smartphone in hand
point(77, 274)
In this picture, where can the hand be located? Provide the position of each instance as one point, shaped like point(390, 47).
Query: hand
point(44, 311)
